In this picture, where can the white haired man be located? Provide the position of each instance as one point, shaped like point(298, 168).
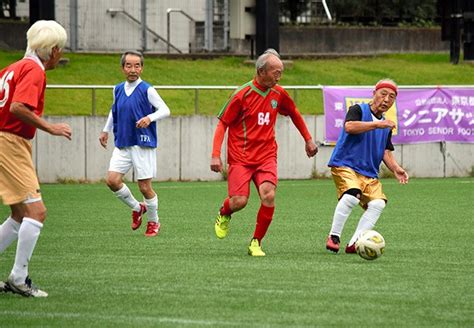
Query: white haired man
point(364, 142)
point(250, 116)
point(22, 88)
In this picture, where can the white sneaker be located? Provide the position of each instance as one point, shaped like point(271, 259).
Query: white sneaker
point(27, 289)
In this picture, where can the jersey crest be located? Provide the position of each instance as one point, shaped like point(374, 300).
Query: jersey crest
point(274, 103)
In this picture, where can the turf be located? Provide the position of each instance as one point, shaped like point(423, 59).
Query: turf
point(101, 274)
point(94, 69)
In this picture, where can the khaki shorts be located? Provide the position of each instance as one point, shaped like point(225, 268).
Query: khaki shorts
point(18, 180)
point(346, 178)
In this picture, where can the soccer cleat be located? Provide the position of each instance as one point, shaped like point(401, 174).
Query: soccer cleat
point(255, 249)
point(4, 287)
point(222, 225)
point(27, 289)
point(137, 217)
point(332, 243)
point(351, 249)
point(152, 228)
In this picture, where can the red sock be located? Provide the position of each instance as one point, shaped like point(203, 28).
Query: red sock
point(264, 218)
point(225, 208)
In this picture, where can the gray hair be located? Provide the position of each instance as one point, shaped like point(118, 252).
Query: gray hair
point(131, 52)
point(43, 36)
point(388, 81)
point(263, 58)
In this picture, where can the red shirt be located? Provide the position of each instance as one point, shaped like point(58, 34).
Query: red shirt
point(25, 82)
point(250, 115)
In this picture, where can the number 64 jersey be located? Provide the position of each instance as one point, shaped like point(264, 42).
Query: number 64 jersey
point(250, 115)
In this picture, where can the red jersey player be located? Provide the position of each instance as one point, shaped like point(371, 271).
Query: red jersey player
point(22, 86)
point(250, 116)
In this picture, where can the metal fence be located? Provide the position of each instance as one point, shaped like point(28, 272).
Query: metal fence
point(294, 90)
point(304, 12)
point(174, 26)
point(196, 88)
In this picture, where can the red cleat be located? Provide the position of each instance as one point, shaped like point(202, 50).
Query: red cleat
point(152, 229)
point(137, 217)
point(351, 249)
point(332, 243)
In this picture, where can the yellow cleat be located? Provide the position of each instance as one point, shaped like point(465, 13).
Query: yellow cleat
point(255, 249)
point(222, 225)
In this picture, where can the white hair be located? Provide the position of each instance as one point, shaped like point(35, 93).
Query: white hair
point(43, 36)
point(263, 58)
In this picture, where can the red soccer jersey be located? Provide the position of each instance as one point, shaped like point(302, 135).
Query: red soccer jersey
point(250, 115)
point(25, 82)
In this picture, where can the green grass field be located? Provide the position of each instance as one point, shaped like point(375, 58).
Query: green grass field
point(93, 69)
point(101, 274)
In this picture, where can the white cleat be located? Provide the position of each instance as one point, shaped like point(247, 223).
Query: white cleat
point(4, 288)
point(27, 289)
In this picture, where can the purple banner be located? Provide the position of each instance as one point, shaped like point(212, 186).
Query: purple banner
point(421, 115)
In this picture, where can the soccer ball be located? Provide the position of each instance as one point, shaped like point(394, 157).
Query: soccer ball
point(370, 245)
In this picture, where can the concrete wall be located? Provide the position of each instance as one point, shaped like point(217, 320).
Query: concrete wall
point(323, 40)
point(185, 144)
point(360, 40)
point(13, 35)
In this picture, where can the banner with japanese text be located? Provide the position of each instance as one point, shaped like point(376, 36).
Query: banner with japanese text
point(421, 115)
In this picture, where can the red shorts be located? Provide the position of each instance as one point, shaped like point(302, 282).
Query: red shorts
point(239, 176)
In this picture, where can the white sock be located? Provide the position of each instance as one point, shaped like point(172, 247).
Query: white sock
point(343, 210)
point(369, 218)
point(28, 234)
point(8, 233)
point(125, 195)
point(152, 209)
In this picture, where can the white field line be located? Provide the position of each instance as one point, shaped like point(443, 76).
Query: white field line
point(135, 319)
point(118, 318)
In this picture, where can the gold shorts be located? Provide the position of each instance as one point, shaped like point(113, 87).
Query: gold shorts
point(18, 180)
point(346, 178)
